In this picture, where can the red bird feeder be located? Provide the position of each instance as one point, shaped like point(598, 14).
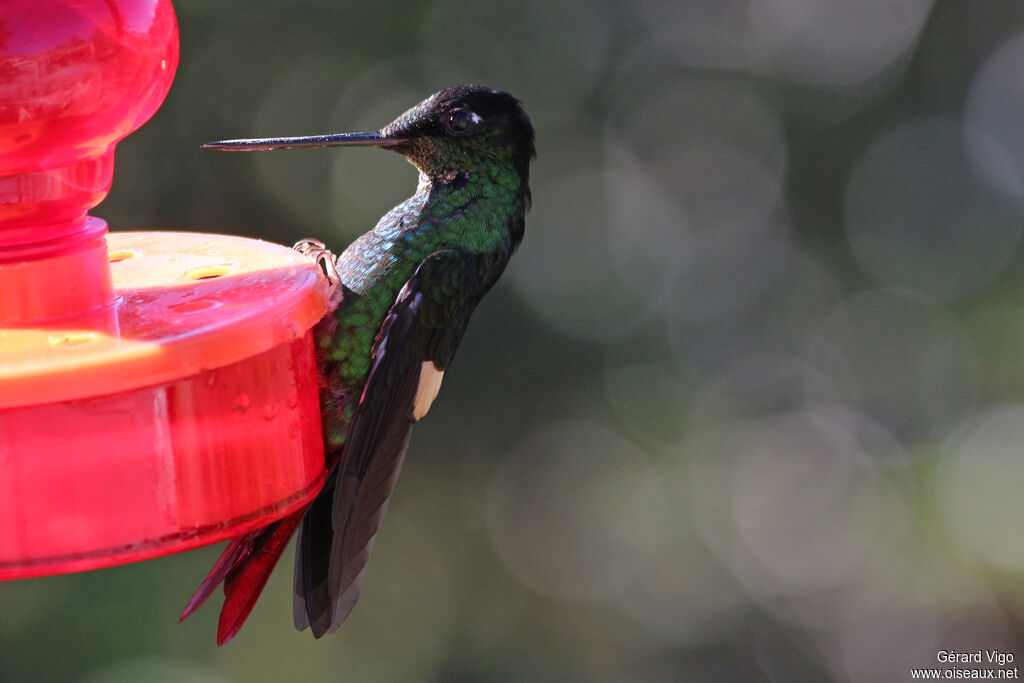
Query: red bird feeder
point(157, 390)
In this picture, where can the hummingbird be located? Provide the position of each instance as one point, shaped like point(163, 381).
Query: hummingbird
point(400, 298)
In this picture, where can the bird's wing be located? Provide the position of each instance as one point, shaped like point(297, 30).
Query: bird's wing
point(412, 350)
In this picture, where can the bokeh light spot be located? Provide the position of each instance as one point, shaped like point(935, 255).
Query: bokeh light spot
point(805, 500)
point(833, 43)
point(919, 213)
point(899, 357)
point(978, 486)
point(995, 102)
point(575, 511)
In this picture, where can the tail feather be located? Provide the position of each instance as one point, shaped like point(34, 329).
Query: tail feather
point(237, 549)
point(244, 567)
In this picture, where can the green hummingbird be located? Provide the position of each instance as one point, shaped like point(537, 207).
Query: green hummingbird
point(401, 298)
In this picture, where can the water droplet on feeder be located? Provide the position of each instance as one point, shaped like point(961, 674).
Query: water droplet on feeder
point(241, 403)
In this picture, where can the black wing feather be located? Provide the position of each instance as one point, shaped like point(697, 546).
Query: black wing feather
point(426, 323)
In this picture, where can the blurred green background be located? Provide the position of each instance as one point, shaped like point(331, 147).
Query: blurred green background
point(748, 403)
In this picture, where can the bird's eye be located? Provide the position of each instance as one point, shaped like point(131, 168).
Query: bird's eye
point(461, 120)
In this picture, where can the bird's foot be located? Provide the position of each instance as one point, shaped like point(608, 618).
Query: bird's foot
point(322, 256)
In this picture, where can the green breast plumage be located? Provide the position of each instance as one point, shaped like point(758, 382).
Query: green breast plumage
point(471, 213)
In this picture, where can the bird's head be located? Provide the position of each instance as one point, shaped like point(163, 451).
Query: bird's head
point(461, 130)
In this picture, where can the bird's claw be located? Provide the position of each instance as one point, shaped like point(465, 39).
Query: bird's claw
point(322, 256)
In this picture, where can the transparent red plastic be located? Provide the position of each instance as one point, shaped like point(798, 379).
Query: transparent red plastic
point(157, 390)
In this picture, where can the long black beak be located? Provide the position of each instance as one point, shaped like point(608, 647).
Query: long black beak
point(374, 139)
